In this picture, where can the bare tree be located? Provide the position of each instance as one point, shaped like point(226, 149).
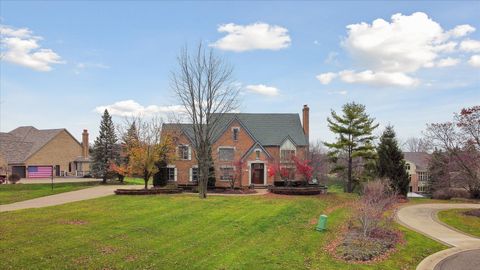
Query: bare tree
point(318, 156)
point(414, 144)
point(460, 141)
point(376, 199)
point(205, 87)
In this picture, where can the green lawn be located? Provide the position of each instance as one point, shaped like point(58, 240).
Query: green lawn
point(20, 192)
point(184, 232)
point(458, 220)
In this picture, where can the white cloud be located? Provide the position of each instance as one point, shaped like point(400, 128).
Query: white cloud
point(461, 30)
point(470, 45)
point(448, 62)
point(378, 78)
point(257, 36)
point(263, 89)
point(391, 52)
point(475, 61)
point(20, 46)
point(326, 78)
point(132, 108)
point(79, 67)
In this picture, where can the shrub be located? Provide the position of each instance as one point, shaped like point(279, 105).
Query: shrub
point(87, 176)
point(442, 194)
point(160, 178)
point(376, 199)
point(13, 178)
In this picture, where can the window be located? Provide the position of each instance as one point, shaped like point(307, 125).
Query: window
point(226, 173)
point(183, 152)
point(194, 175)
point(407, 166)
point(170, 173)
point(287, 155)
point(257, 154)
point(225, 154)
point(235, 132)
point(423, 176)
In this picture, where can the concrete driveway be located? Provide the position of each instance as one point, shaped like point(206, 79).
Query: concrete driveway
point(66, 197)
point(423, 219)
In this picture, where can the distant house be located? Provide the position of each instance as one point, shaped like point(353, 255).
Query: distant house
point(257, 140)
point(417, 168)
point(34, 153)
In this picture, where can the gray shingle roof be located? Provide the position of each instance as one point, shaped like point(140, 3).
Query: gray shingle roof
point(269, 129)
point(420, 159)
point(19, 144)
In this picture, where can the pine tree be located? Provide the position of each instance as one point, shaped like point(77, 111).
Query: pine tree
point(354, 129)
point(105, 149)
point(391, 163)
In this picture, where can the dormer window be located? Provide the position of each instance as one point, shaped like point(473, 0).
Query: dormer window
point(235, 132)
point(184, 152)
point(287, 151)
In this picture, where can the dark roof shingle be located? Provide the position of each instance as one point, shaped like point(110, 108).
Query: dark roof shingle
point(269, 129)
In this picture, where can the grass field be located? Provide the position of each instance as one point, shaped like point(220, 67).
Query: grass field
point(20, 192)
point(184, 232)
point(458, 220)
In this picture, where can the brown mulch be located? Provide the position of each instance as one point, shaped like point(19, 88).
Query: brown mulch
point(474, 213)
point(332, 247)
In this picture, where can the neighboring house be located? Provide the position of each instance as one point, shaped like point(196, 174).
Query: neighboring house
point(34, 153)
point(417, 168)
point(257, 140)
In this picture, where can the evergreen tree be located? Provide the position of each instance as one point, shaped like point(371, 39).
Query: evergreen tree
point(391, 163)
point(105, 149)
point(354, 129)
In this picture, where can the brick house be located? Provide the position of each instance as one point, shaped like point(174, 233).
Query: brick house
point(417, 168)
point(34, 153)
point(257, 140)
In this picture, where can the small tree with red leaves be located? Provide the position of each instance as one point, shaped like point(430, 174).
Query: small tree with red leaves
point(237, 173)
point(303, 168)
point(278, 172)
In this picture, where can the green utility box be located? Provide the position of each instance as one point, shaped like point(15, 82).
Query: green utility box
point(322, 223)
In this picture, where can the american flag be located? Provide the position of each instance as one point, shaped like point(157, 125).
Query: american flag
point(39, 172)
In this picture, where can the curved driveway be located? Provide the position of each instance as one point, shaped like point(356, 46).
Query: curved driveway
point(423, 218)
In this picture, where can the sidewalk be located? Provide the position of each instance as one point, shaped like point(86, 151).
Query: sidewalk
point(423, 219)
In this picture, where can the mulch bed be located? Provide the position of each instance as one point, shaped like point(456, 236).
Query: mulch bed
point(312, 190)
point(353, 247)
point(151, 191)
point(474, 213)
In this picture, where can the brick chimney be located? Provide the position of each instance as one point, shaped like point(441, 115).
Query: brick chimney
point(306, 120)
point(85, 143)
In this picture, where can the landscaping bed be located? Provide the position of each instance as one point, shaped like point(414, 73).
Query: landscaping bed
point(302, 190)
point(357, 248)
point(151, 191)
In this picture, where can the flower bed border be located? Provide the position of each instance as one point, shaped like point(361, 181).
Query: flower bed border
point(152, 191)
point(306, 190)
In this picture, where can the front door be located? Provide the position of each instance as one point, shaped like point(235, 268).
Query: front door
point(258, 173)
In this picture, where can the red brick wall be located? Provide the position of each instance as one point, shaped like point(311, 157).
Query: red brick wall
point(241, 146)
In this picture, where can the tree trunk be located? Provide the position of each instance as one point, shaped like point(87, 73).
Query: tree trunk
point(146, 183)
point(203, 180)
point(349, 176)
point(104, 179)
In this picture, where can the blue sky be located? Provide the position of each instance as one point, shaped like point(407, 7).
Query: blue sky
point(410, 69)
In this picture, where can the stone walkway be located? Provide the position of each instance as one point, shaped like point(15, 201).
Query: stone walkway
point(66, 197)
point(423, 219)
